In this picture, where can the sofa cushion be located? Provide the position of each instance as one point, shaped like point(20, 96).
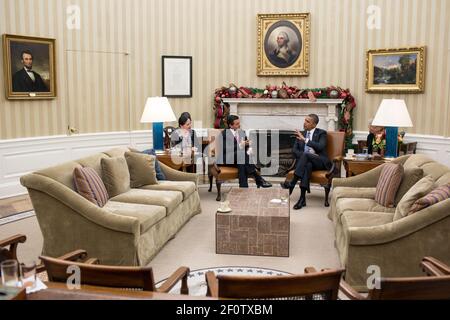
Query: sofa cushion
point(437, 195)
point(147, 215)
point(419, 190)
point(410, 177)
point(365, 219)
point(444, 179)
point(360, 204)
point(168, 199)
point(159, 173)
point(142, 169)
point(89, 185)
point(186, 187)
point(388, 183)
point(115, 175)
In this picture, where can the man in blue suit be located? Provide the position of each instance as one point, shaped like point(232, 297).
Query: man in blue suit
point(310, 151)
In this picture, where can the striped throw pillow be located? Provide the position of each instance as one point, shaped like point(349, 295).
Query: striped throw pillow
point(89, 185)
point(437, 195)
point(390, 179)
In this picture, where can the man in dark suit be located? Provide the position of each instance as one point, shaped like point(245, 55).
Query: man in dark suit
point(233, 148)
point(310, 153)
point(26, 80)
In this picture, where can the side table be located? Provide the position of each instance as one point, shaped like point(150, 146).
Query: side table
point(354, 167)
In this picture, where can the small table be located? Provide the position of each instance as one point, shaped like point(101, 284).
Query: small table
point(255, 226)
point(175, 161)
point(354, 167)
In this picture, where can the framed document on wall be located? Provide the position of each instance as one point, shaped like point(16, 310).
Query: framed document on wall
point(177, 76)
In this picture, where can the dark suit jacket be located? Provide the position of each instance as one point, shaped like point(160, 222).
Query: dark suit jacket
point(22, 82)
point(318, 143)
point(176, 139)
point(227, 149)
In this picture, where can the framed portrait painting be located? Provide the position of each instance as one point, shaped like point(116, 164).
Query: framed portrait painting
point(177, 76)
point(399, 70)
point(29, 67)
point(283, 44)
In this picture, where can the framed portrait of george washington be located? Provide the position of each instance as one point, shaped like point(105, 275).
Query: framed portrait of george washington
point(29, 67)
point(400, 70)
point(283, 44)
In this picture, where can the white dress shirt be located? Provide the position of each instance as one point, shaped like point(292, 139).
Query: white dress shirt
point(30, 74)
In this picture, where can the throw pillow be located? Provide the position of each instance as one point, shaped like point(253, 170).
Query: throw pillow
point(390, 178)
point(437, 195)
point(410, 177)
point(419, 190)
point(159, 173)
point(89, 185)
point(142, 169)
point(115, 175)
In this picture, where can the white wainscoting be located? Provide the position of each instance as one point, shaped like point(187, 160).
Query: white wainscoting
point(436, 147)
point(21, 156)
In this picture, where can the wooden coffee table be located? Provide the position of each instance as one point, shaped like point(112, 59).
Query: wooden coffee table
point(255, 226)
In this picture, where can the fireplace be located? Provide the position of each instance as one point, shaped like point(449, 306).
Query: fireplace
point(273, 151)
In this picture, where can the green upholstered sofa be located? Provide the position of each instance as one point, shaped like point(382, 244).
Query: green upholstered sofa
point(129, 230)
point(368, 234)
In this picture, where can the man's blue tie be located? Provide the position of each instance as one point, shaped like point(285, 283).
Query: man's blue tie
point(308, 136)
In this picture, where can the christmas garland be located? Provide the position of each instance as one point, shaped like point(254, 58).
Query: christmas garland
point(345, 122)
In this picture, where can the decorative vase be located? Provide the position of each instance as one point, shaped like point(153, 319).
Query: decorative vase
point(274, 94)
point(334, 94)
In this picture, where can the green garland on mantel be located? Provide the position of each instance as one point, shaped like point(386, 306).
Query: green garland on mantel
point(345, 122)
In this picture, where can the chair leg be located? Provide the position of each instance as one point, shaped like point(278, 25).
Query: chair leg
point(327, 193)
point(218, 185)
point(210, 177)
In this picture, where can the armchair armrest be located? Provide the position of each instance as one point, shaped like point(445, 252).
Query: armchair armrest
point(74, 255)
point(182, 274)
point(435, 266)
point(349, 292)
point(13, 242)
point(212, 284)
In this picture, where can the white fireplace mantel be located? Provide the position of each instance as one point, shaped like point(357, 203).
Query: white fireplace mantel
point(284, 113)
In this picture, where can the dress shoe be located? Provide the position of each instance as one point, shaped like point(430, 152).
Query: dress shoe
point(300, 203)
point(264, 184)
point(287, 185)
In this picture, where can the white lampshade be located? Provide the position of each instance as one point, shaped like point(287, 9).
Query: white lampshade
point(392, 113)
point(158, 109)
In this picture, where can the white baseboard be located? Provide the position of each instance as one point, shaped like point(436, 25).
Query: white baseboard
point(21, 156)
point(435, 147)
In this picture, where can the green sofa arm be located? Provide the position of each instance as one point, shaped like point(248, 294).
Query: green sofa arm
point(175, 175)
point(79, 204)
point(400, 228)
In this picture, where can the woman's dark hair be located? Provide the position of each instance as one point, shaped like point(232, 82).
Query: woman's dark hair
point(230, 119)
point(185, 116)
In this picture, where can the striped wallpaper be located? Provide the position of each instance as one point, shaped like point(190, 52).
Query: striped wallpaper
point(108, 67)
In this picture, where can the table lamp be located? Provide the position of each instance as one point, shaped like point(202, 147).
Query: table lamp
point(392, 114)
point(157, 111)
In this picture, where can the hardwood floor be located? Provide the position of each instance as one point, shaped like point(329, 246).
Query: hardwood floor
point(14, 205)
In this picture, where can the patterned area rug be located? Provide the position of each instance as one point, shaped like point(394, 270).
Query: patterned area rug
point(197, 283)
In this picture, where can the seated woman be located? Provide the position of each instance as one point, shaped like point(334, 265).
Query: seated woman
point(184, 137)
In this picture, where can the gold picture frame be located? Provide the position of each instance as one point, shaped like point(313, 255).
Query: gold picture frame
point(283, 44)
point(400, 70)
point(29, 67)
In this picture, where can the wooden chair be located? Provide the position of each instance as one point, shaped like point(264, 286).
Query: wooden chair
point(92, 273)
point(12, 243)
point(434, 267)
point(416, 288)
point(335, 151)
point(311, 285)
point(221, 173)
